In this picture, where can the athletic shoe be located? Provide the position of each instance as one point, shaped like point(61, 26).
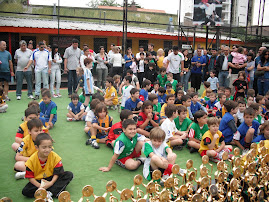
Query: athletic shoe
point(182, 171)
point(164, 178)
point(59, 95)
point(18, 97)
point(141, 159)
point(36, 97)
point(69, 119)
point(20, 175)
point(3, 111)
point(49, 196)
point(178, 147)
point(7, 99)
point(114, 107)
point(184, 142)
point(31, 97)
point(192, 150)
point(245, 151)
point(55, 96)
point(216, 160)
point(95, 145)
point(89, 142)
point(230, 156)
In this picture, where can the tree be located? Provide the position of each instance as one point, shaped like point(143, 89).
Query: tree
point(96, 3)
point(93, 3)
point(133, 3)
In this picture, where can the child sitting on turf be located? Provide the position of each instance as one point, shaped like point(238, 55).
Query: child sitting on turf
point(266, 115)
point(214, 81)
point(264, 135)
point(250, 100)
point(49, 109)
point(228, 93)
point(182, 122)
point(197, 130)
point(210, 142)
point(146, 118)
point(116, 130)
point(247, 131)
point(134, 103)
point(156, 86)
point(101, 125)
point(162, 77)
point(195, 105)
point(186, 101)
point(27, 147)
point(127, 147)
point(3, 105)
point(151, 73)
point(88, 80)
point(227, 123)
point(261, 101)
point(172, 81)
point(116, 82)
point(219, 106)
point(75, 109)
point(44, 169)
point(170, 100)
point(125, 91)
point(179, 94)
point(111, 96)
point(258, 111)
point(175, 138)
point(206, 97)
point(143, 94)
point(90, 116)
point(206, 86)
point(210, 104)
point(156, 105)
point(169, 89)
point(240, 112)
point(161, 95)
point(159, 155)
point(36, 105)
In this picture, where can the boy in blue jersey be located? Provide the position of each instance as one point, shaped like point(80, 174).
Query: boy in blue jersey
point(264, 135)
point(227, 123)
point(210, 104)
point(134, 103)
point(247, 131)
point(48, 109)
point(195, 105)
point(143, 94)
point(127, 147)
point(75, 109)
point(161, 95)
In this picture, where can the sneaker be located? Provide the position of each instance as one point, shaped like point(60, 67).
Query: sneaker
point(230, 156)
point(182, 171)
point(20, 175)
point(36, 97)
point(95, 145)
point(22, 118)
point(59, 95)
point(192, 150)
point(18, 97)
point(178, 147)
point(184, 142)
point(216, 160)
point(114, 107)
point(55, 96)
point(89, 142)
point(164, 178)
point(141, 159)
point(245, 151)
point(31, 97)
point(7, 99)
point(69, 119)
point(49, 196)
point(3, 111)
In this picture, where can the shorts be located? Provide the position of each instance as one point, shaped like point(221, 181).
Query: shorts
point(151, 171)
point(101, 136)
point(5, 76)
point(121, 162)
point(203, 152)
point(88, 95)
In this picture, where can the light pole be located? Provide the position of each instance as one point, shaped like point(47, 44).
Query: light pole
point(124, 28)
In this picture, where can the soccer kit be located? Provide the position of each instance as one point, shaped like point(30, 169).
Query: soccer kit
point(197, 132)
point(183, 126)
point(47, 110)
point(75, 109)
point(112, 92)
point(207, 139)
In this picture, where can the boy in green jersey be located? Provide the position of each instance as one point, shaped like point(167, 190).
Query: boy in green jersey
point(156, 105)
point(183, 123)
point(127, 147)
point(162, 77)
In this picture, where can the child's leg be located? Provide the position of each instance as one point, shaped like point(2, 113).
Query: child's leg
point(249, 138)
point(103, 140)
point(139, 146)
point(93, 133)
point(29, 190)
point(158, 162)
point(211, 153)
point(176, 141)
point(131, 164)
point(15, 146)
point(194, 144)
point(108, 102)
point(69, 115)
point(87, 100)
point(20, 165)
point(228, 148)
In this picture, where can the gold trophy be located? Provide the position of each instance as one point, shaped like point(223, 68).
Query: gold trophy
point(40, 195)
point(87, 191)
point(5, 199)
point(64, 197)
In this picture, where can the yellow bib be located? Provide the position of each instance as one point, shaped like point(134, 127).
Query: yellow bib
point(29, 146)
point(209, 135)
point(34, 165)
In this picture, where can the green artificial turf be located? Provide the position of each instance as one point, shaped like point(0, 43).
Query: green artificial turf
point(70, 138)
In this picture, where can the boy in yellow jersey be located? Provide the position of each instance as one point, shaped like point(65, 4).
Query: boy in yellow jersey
point(44, 169)
point(170, 100)
point(111, 96)
point(209, 144)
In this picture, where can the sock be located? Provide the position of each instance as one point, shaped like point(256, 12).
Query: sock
point(168, 170)
point(216, 156)
point(247, 145)
point(97, 140)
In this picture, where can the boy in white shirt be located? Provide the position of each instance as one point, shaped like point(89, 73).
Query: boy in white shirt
point(214, 81)
point(125, 90)
point(89, 117)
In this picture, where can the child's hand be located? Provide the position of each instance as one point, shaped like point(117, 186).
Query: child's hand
point(107, 129)
point(150, 116)
point(216, 136)
point(104, 169)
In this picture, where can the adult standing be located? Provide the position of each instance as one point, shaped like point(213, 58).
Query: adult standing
point(102, 69)
point(205, 68)
point(22, 57)
point(263, 80)
point(151, 50)
point(198, 62)
point(186, 69)
point(6, 67)
point(128, 59)
point(257, 60)
point(236, 68)
point(117, 61)
point(175, 61)
point(55, 71)
point(71, 63)
point(42, 60)
point(141, 50)
point(223, 68)
point(212, 61)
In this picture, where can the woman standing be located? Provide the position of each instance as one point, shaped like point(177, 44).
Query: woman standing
point(55, 71)
point(128, 59)
point(101, 69)
point(263, 80)
point(117, 61)
point(186, 70)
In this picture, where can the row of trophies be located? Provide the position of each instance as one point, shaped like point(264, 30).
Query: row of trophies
point(245, 178)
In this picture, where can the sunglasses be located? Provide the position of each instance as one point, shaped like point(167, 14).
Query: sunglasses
point(41, 47)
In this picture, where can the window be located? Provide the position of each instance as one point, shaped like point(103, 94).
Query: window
point(100, 42)
point(168, 44)
point(129, 43)
point(144, 43)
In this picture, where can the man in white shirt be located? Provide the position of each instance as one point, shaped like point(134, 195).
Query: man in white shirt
point(223, 68)
point(22, 57)
point(42, 59)
point(175, 60)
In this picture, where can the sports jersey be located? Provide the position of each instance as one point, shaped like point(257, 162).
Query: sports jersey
point(177, 102)
point(88, 77)
point(162, 113)
point(259, 119)
point(132, 105)
point(125, 94)
point(203, 94)
point(48, 109)
point(125, 146)
point(115, 132)
point(220, 109)
point(171, 92)
point(105, 123)
point(225, 129)
point(162, 99)
point(34, 165)
point(174, 84)
point(208, 138)
point(162, 79)
point(27, 147)
point(197, 132)
point(90, 115)
point(75, 109)
point(149, 148)
point(143, 95)
point(142, 118)
point(23, 130)
point(183, 126)
point(157, 108)
point(259, 138)
point(112, 92)
point(210, 105)
point(243, 129)
point(169, 127)
point(196, 107)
